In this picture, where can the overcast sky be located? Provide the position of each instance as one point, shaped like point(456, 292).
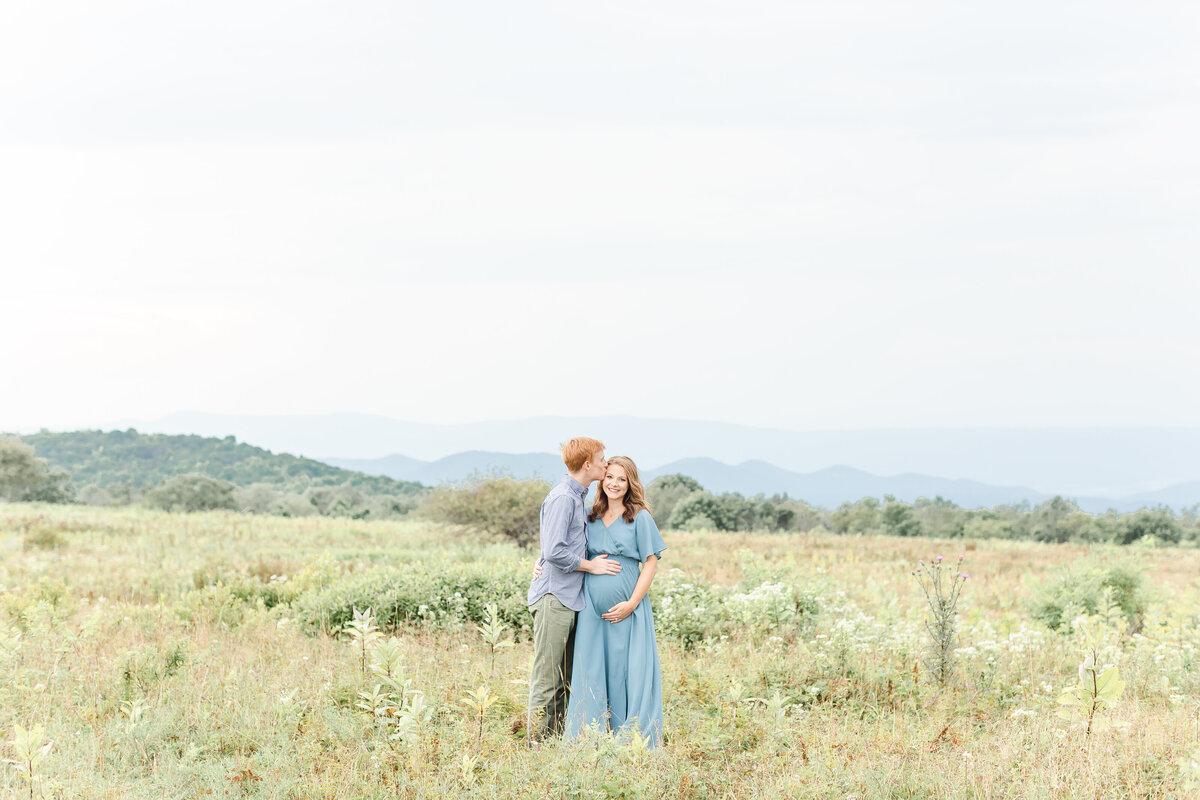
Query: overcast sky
point(797, 214)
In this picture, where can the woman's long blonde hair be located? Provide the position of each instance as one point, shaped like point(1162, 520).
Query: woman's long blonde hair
point(635, 493)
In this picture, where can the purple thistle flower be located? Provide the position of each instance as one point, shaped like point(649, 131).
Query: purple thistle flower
point(964, 576)
point(939, 558)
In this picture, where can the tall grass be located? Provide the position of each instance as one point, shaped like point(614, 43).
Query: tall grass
point(206, 656)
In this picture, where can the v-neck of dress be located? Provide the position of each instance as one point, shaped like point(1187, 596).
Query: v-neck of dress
point(608, 525)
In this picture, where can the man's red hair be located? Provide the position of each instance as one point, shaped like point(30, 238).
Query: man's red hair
point(579, 451)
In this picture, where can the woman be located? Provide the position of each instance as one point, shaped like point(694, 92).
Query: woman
point(616, 682)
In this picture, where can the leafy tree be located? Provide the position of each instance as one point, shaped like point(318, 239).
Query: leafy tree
point(860, 517)
point(25, 477)
point(664, 493)
point(940, 518)
point(805, 516)
point(897, 518)
point(736, 512)
point(784, 518)
point(1050, 520)
point(1157, 522)
point(775, 513)
point(192, 493)
point(56, 487)
point(698, 510)
point(988, 526)
point(339, 501)
point(499, 505)
point(20, 470)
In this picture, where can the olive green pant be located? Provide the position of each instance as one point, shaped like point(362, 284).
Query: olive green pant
point(550, 678)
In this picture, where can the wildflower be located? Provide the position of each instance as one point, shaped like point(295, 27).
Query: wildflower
point(938, 559)
point(964, 576)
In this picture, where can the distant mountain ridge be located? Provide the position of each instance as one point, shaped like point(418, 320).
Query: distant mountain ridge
point(826, 488)
point(456, 467)
point(1094, 462)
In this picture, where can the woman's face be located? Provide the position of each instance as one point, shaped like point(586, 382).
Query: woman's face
point(615, 483)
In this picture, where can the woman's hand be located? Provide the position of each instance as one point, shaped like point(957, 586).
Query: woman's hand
point(620, 611)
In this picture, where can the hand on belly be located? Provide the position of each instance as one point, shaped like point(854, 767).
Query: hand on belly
point(605, 591)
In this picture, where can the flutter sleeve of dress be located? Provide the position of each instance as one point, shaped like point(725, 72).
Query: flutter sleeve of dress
point(649, 540)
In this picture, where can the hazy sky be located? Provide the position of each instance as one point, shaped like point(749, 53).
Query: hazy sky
point(800, 214)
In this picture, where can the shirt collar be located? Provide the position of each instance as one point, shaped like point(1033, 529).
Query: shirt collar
point(574, 485)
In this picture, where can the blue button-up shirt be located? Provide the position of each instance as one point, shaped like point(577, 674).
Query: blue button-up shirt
point(564, 545)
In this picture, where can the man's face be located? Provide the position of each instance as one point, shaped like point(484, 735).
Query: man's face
point(596, 466)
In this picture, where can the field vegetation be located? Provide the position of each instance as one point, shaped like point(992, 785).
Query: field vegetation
point(153, 654)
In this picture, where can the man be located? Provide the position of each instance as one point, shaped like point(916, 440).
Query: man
point(556, 594)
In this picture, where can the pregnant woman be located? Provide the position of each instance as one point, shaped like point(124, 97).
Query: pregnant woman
point(616, 682)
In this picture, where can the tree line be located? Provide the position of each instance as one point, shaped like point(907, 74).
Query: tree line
point(193, 473)
point(508, 507)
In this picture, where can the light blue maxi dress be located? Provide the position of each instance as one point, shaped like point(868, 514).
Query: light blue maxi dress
point(616, 682)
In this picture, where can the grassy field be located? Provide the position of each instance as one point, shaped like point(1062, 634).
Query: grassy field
point(203, 656)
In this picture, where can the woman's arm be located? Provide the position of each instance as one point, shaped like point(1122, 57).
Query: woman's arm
point(622, 610)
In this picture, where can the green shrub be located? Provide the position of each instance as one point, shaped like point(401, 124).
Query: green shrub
point(216, 604)
point(438, 593)
point(192, 493)
point(1091, 590)
point(143, 667)
point(684, 610)
point(1159, 523)
point(42, 537)
point(498, 505)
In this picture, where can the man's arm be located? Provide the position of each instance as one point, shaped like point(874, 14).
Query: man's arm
point(556, 550)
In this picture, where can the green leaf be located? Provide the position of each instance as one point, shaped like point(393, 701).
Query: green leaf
point(1105, 679)
point(1112, 692)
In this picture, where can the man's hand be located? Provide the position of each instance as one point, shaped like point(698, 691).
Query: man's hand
point(601, 565)
point(537, 570)
point(619, 612)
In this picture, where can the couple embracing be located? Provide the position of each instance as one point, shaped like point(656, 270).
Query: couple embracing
point(595, 659)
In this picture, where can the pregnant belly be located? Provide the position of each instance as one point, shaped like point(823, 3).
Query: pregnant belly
point(605, 591)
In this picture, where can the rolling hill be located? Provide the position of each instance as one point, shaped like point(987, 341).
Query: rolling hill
point(107, 459)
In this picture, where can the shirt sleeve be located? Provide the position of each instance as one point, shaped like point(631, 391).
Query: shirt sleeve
point(556, 522)
point(649, 540)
